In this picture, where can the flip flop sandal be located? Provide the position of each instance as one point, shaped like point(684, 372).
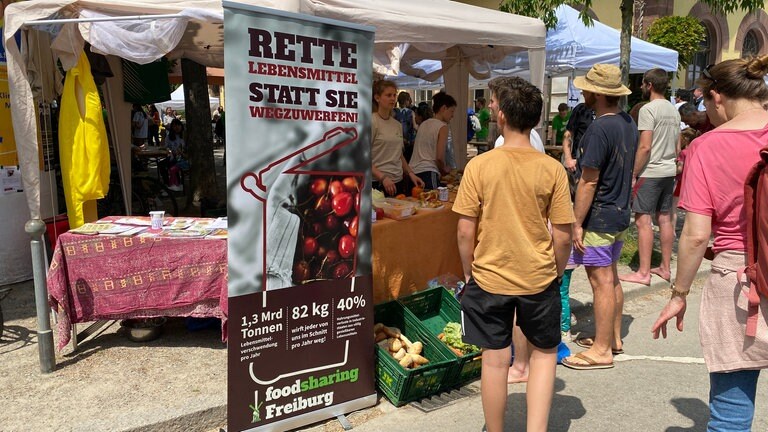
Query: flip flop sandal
point(590, 363)
point(587, 342)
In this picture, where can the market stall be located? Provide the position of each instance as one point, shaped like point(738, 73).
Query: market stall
point(177, 102)
point(461, 37)
point(179, 271)
point(408, 253)
point(456, 34)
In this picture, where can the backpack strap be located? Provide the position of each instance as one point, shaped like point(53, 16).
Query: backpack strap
point(753, 299)
point(752, 189)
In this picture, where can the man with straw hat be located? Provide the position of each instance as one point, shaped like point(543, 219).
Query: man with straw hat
point(602, 210)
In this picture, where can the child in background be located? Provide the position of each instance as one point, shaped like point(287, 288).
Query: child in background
point(565, 300)
point(175, 144)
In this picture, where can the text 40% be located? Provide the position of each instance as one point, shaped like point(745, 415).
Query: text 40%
point(350, 303)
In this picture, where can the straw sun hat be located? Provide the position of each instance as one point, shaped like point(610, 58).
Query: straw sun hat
point(604, 79)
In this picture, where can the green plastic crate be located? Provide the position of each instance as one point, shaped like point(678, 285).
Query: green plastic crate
point(402, 385)
point(434, 308)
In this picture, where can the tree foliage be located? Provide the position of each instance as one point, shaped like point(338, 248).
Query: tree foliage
point(724, 7)
point(682, 34)
point(544, 9)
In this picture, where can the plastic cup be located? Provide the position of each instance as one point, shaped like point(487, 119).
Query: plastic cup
point(157, 219)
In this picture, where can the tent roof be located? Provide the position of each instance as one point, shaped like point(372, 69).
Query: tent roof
point(405, 30)
point(427, 29)
point(570, 47)
point(574, 46)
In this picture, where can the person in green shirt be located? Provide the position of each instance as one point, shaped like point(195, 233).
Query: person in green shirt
point(484, 115)
point(559, 123)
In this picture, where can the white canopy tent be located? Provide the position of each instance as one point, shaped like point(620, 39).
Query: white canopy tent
point(465, 39)
point(462, 37)
point(176, 102)
point(571, 49)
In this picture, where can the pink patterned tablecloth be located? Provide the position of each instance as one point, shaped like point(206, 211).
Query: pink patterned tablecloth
point(95, 277)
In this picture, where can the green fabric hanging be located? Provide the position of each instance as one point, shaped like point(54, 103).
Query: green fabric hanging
point(145, 84)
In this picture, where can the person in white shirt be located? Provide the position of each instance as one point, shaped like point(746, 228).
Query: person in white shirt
point(430, 150)
point(536, 141)
point(140, 123)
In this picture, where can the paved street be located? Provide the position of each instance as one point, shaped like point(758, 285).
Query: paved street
point(658, 385)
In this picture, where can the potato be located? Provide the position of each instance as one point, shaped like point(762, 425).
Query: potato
point(406, 342)
point(395, 345)
point(392, 332)
point(400, 354)
point(418, 360)
point(406, 361)
point(384, 344)
point(415, 348)
point(378, 327)
point(380, 336)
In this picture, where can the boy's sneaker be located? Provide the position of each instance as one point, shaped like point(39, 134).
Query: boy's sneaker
point(175, 188)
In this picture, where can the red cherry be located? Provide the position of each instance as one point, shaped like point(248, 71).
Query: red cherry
point(317, 228)
point(336, 188)
point(347, 246)
point(300, 271)
point(310, 246)
point(350, 184)
point(341, 271)
point(331, 256)
point(323, 205)
point(319, 186)
point(342, 203)
point(332, 222)
point(353, 225)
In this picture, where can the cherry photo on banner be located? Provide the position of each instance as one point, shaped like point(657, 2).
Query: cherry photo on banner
point(328, 207)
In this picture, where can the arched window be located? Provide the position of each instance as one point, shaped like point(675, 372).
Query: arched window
point(702, 58)
point(751, 45)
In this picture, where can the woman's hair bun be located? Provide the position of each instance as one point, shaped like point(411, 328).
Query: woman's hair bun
point(757, 67)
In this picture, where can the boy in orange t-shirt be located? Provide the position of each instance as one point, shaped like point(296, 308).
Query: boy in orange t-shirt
point(512, 264)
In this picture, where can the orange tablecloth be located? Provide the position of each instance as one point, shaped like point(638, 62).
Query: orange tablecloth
point(408, 253)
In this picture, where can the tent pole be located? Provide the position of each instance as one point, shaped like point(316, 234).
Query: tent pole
point(36, 228)
point(101, 19)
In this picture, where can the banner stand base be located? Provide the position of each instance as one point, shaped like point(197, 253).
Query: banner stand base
point(344, 422)
point(322, 414)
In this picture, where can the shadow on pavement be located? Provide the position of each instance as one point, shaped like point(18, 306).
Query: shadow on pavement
point(175, 335)
point(586, 325)
point(565, 409)
point(695, 410)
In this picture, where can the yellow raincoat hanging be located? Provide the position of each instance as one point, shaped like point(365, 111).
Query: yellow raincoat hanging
point(83, 145)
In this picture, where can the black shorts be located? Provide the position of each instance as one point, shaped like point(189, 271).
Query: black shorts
point(487, 319)
point(653, 195)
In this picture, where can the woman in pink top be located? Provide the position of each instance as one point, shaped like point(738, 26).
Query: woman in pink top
point(713, 196)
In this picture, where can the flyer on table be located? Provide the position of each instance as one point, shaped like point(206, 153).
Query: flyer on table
point(298, 104)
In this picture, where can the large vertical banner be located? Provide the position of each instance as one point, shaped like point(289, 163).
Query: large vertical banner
point(300, 327)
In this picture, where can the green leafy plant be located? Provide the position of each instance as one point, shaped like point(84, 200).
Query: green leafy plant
point(544, 9)
point(724, 7)
point(682, 34)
